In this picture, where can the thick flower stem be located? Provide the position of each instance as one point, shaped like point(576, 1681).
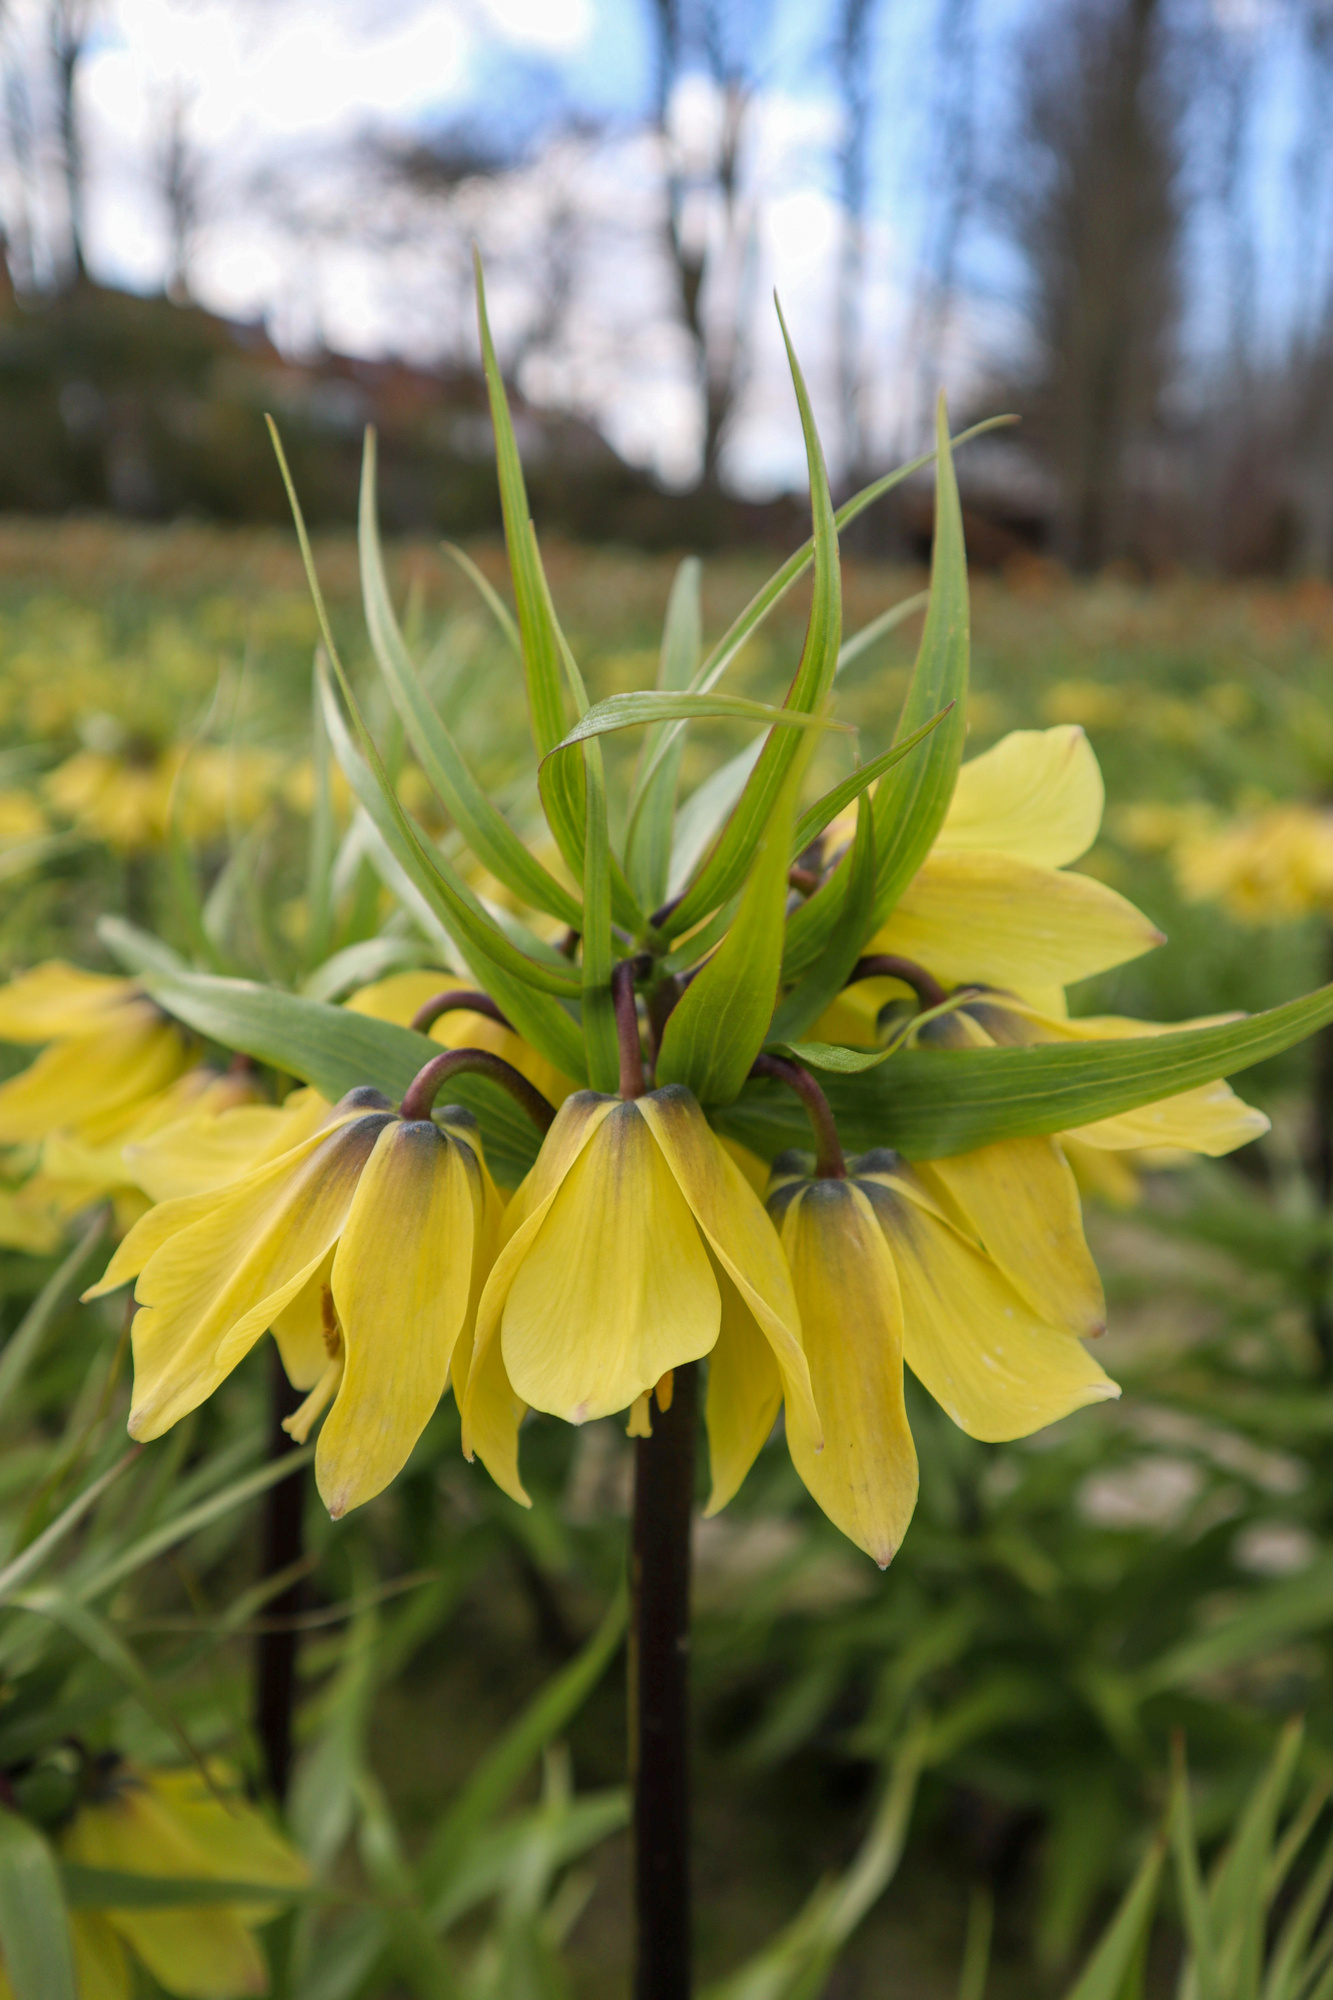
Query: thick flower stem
point(659, 1668)
point(420, 1095)
point(829, 1162)
point(887, 965)
point(275, 1648)
point(456, 1000)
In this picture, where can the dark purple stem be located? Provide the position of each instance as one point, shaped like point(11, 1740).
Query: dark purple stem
point(627, 1029)
point(456, 1001)
point(887, 965)
point(829, 1163)
point(420, 1095)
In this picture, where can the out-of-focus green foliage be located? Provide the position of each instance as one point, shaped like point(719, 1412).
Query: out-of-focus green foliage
point(1060, 1608)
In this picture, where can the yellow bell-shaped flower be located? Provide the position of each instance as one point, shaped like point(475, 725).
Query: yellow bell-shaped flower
point(110, 1051)
point(888, 1267)
point(363, 1247)
point(168, 1823)
point(617, 1253)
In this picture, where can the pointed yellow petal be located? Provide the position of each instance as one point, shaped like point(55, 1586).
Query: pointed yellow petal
point(744, 1394)
point(995, 1368)
point(200, 1153)
point(209, 1292)
point(1019, 1201)
point(57, 999)
point(1107, 1177)
point(303, 1327)
point(491, 1410)
point(1209, 1119)
point(1036, 795)
point(233, 1841)
point(402, 994)
point(615, 1287)
point(740, 1236)
point(865, 1478)
point(167, 1218)
point(90, 1076)
point(402, 1278)
point(984, 918)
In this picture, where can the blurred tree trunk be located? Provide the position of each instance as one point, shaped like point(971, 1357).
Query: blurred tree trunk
point(1094, 207)
point(852, 62)
point(70, 25)
point(707, 229)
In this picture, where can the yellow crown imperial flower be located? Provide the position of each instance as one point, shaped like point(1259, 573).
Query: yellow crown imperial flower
point(110, 1050)
point(617, 1254)
point(164, 1824)
point(364, 1244)
point(887, 1268)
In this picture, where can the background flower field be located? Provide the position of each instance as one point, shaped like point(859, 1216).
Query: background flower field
point(1061, 1607)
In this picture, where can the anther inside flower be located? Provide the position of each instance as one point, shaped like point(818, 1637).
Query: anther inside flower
point(391, 1217)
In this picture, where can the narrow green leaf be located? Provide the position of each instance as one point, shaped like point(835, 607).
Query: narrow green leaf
point(137, 950)
point(829, 974)
point(505, 1765)
point(323, 838)
point(704, 810)
point(489, 595)
point(59, 1291)
point(120, 1889)
point(1194, 1905)
point(513, 987)
point(653, 798)
point(747, 622)
point(720, 1023)
point(485, 829)
point(879, 628)
point(360, 964)
point(599, 1018)
point(628, 711)
point(830, 1055)
point(28, 1561)
point(795, 1965)
point(541, 656)
point(729, 862)
point(911, 802)
point(336, 1050)
point(930, 1103)
point(524, 988)
point(813, 821)
point(1104, 1976)
point(34, 1924)
point(96, 1636)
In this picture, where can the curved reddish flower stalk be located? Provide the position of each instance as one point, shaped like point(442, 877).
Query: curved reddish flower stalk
point(420, 1095)
point(829, 1162)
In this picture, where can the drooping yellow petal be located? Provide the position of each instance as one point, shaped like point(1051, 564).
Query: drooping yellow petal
point(492, 1411)
point(233, 1841)
point(402, 1279)
point(985, 918)
point(90, 1076)
point(169, 1217)
point(616, 1286)
point(24, 1226)
point(740, 1236)
point(968, 1337)
point(1036, 795)
point(209, 1292)
point(400, 995)
point(1209, 1119)
point(865, 1478)
point(208, 1149)
point(1019, 1201)
point(101, 1969)
point(1108, 1177)
point(303, 1328)
point(744, 1394)
point(58, 999)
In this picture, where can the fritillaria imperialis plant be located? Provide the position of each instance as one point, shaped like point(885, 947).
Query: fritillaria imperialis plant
point(779, 1084)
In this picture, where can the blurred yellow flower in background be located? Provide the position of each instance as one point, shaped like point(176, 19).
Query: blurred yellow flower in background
point(165, 1824)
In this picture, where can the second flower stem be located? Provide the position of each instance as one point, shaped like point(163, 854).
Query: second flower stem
point(659, 1669)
